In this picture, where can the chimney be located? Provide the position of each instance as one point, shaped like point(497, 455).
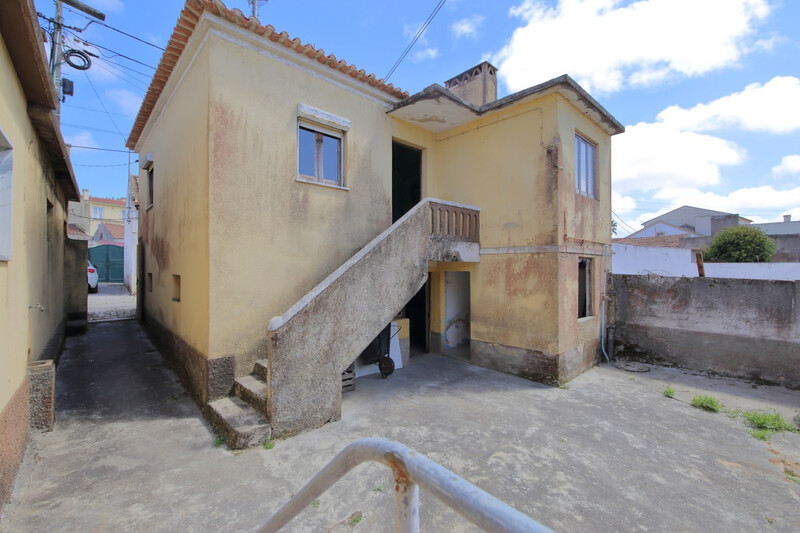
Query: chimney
point(85, 194)
point(787, 218)
point(478, 85)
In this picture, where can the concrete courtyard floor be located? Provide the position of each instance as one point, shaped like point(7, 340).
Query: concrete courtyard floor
point(131, 451)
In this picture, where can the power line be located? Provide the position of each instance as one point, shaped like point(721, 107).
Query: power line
point(105, 166)
point(95, 110)
point(419, 33)
point(89, 43)
point(89, 128)
point(99, 149)
point(119, 75)
point(125, 139)
point(116, 29)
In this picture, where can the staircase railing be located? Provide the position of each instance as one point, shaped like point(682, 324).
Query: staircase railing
point(455, 221)
point(411, 470)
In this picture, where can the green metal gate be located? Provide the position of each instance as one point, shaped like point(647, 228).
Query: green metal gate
point(109, 260)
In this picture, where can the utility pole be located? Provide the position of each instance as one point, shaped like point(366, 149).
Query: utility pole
point(57, 46)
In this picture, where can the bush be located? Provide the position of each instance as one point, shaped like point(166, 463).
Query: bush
point(740, 244)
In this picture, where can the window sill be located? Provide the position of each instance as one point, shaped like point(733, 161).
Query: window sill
point(149, 207)
point(328, 184)
point(587, 318)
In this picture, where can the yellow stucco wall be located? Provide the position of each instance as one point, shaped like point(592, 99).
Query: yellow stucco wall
point(272, 238)
point(31, 283)
point(175, 229)
point(111, 214)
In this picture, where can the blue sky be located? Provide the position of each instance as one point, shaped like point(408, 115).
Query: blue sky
point(707, 89)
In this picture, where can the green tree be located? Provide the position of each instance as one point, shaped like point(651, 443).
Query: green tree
point(740, 244)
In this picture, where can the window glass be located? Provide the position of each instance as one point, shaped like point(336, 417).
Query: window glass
point(5, 198)
point(585, 165)
point(306, 143)
point(330, 158)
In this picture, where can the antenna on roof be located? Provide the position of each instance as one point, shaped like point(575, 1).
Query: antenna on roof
point(254, 5)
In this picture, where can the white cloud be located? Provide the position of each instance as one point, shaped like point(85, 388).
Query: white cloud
point(467, 27)
point(790, 165)
point(410, 30)
point(770, 107)
point(127, 101)
point(81, 138)
point(427, 53)
point(649, 156)
point(607, 46)
point(622, 204)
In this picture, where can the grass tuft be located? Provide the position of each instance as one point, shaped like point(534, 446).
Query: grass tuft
point(791, 475)
point(765, 423)
point(708, 403)
point(355, 518)
point(669, 392)
point(269, 444)
point(219, 440)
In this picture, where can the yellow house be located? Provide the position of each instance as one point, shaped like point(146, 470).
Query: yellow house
point(292, 205)
point(36, 182)
point(104, 210)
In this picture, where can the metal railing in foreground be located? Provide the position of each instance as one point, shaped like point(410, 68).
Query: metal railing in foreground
point(411, 470)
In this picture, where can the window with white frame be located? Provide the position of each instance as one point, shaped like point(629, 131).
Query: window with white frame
point(320, 146)
point(6, 179)
point(584, 287)
point(585, 167)
point(97, 212)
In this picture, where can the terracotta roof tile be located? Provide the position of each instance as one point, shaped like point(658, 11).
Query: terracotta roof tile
point(190, 15)
point(108, 201)
point(117, 230)
point(73, 230)
point(661, 241)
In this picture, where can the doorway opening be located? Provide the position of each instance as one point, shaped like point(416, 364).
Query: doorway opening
point(456, 335)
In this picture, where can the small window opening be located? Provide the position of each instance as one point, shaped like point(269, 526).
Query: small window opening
point(176, 288)
point(584, 287)
point(149, 282)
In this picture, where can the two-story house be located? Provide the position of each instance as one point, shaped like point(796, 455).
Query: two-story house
point(287, 216)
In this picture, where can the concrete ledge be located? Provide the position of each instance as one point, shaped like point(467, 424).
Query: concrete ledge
point(41, 395)
point(13, 437)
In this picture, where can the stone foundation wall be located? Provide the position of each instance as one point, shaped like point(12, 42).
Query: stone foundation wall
point(206, 379)
point(13, 437)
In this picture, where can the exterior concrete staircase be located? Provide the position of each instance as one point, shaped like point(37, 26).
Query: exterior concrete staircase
point(241, 418)
point(298, 386)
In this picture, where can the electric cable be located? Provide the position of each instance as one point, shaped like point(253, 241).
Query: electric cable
point(99, 149)
point(124, 139)
point(417, 35)
point(113, 28)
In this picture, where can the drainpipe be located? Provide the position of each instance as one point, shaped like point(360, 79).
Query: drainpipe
point(603, 313)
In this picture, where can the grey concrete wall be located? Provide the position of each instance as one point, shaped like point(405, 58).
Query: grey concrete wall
point(312, 343)
point(76, 255)
point(741, 328)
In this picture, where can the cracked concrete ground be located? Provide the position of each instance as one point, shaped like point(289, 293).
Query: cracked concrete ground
point(131, 451)
point(112, 301)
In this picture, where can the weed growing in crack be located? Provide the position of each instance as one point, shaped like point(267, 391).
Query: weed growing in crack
point(669, 392)
point(791, 475)
point(219, 440)
point(765, 423)
point(269, 444)
point(708, 403)
point(355, 518)
point(315, 504)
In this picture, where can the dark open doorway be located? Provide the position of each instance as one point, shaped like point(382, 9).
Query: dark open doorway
point(406, 193)
point(406, 179)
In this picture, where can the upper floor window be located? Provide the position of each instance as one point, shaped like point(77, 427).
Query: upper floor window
point(585, 167)
point(320, 146)
point(320, 154)
point(147, 166)
point(6, 178)
point(97, 212)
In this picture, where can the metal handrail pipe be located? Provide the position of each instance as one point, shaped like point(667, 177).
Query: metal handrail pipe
point(410, 468)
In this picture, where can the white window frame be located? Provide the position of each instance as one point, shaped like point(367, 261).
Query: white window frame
point(6, 197)
point(585, 174)
point(322, 123)
point(98, 212)
point(148, 167)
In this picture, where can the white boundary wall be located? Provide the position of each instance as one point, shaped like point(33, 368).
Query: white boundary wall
point(642, 260)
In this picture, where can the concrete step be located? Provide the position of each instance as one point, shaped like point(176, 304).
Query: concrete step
point(260, 369)
point(252, 390)
point(241, 425)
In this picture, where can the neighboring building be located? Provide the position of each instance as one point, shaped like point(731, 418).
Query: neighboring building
point(108, 233)
point(787, 227)
point(108, 210)
point(689, 221)
point(131, 233)
point(271, 172)
point(37, 262)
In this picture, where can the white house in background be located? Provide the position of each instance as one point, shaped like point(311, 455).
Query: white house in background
point(131, 237)
point(690, 222)
point(787, 227)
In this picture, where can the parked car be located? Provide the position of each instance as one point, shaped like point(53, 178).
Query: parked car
point(91, 275)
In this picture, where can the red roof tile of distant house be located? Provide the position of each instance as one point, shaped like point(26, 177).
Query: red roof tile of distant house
point(116, 230)
point(73, 230)
point(661, 241)
point(190, 16)
point(107, 201)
